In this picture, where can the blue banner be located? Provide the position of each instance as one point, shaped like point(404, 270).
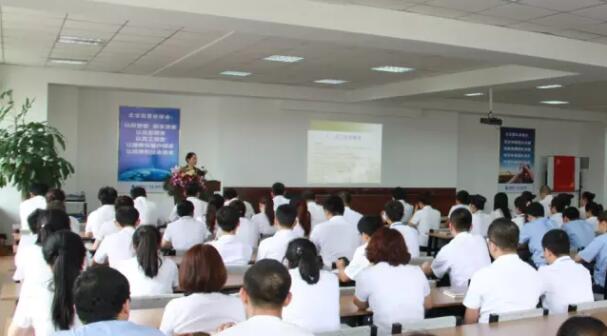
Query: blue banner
point(148, 145)
point(517, 160)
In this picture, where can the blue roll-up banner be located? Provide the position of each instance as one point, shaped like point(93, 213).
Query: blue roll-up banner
point(517, 160)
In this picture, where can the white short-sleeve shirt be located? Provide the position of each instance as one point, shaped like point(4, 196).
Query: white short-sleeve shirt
point(148, 211)
point(106, 229)
point(425, 219)
point(334, 239)
point(314, 307)
point(519, 220)
point(565, 282)
point(263, 224)
point(275, 247)
point(25, 241)
point(200, 209)
point(352, 216)
point(461, 258)
point(116, 247)
point(232, 250)
point(480, 223)
point(557, 218)
point(317, 213)
point(185, 233)
point(265, 325)
point(594, 222)
point(27, 207)
point(35, 272)
point(96, 218)
point(408, 211)
point(507, 285)
point(411, 237)
point(201, 312)
point(248, 232)
point(279, 200)
point(358, 263)
point(142, 285)
point(547, 204)
point(457, 206)
point(395, 294)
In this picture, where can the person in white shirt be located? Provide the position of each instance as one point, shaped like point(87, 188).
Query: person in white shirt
point(35, 201)
point(314, 302)
point(265, 293)
point(399, 194)
point(425, 219)
point(352, 216)
point(278, 192)
point(192, 192)
point(247, 231)
point(230, 195)
point(508, 284)
point(393, 211)
point(557, 206)
point(25, 242)
point(110, 227)
point(366, 227)
point(119, 246)
point(335, 238)
point(546, 198)
point(275, 247)
point(565, 281)
point(148, 210)
point(51, 307)
point(148, 272)
point(381, 287)
point(202, 275)
point(233, 251)
point(501, 208)
point(303, 223)
point(587, 198)
point(520, 204)
point(480, 220)
point(185, 232)
point(463, 255)
point(265, 218)
point(593, 211)
point(462, 200)
point(106, 212)
point(55, 199)
point(317, 214)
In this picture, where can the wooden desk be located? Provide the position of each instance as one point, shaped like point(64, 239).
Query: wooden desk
point(434, 237)
point(441, 300)
point(10, 291)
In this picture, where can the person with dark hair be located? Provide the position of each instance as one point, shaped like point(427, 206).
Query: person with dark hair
point(110, 227)
point(534, 230)
point(314, 302)
point(185, 232)
point(425, 218)
point(586, 198)
point(393, 211)
point(380, 286)
point(230, 195)
point(565, 281)
point(102, 299)
point(557, 206)
point(265, 293)
point(216, 202)
point(463, 255)
point(204, 308)
point(580, 232)
point(582, 326)
point(528, 196)
point(247, 231)
point(520, 204)
point(278, 195)
point(106, 212)
point(148, 272)
point(34, 201)
point(508, 284)
point(275, 247)
point(303, 222)
point(148, 210)
point(480, 220)
point(462, 200)
point(51, 305)
point(265, 218)
point(317, 214)
point(233, 251)
point(399, 194)
point(192, 193)
point(593, 211)
point(500, 206)
point(546, 199)
point(55, 199)
point(366, 227)
point(597, 251)
point(350, 215)
point(118, 246)
point(335, 238)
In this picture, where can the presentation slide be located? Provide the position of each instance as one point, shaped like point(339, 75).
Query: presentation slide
point(344, 152)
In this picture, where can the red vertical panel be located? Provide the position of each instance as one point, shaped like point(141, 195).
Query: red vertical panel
point(564, 174)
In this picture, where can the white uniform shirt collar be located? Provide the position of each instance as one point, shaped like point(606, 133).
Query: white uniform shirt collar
point(128, 228)
point(562, 259)
point(335, 219)
point(227, 238)
point(506, 258)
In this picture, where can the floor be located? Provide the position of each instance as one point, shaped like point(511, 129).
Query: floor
point(7, 268)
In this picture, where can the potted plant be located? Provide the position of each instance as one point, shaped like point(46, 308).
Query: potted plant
point(29, 150)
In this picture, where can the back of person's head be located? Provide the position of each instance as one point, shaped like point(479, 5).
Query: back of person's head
point(334, 205)
point(107, 195)
point(582, 326)
point(566, 199)
point(286, 215)
point(228, 219)
point(557, 242)
point(463, 197)
point(388, 245)
point(346, 197)
point(520, 203)
point(559, 203)
point(51, 221)
point(38, 189)
point(504, 234)
point(58, 205)
point(64, 252)
point(478, 201)
point(535, 209)
point(571, 213)
point(55, 194)
point(216, 202)
point(185, 208)
point(229, 193)
point(500, 201)
point(100, 294)
point(267, 284)
point(399, 194)
point(425, 198)
point(594, 209)
point(461, 220)
point(545, 190)
point(146, 242)
point(239, 206)
point(528, 196)
point(32, 220)
point(369, 224)
point(588, 196)
point(268, 208)
point(123, 201)
point(302, 254)
point(278, 189)
point(202, 270)
point(303, 215)
point(394, 211)
point(308, 195)
point(603, 216)
point(192, 189)
point(127, 216)
point(138, 191)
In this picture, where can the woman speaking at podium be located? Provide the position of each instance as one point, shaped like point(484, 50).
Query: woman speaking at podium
point(190, 168)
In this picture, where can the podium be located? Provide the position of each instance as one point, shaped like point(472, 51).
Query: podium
point(213, 186)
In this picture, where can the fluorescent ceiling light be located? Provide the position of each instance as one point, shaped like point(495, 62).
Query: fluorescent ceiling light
point(474, 94)
point(235, 73)
point(331, 81)
point(67, 61)
point(80, 40)
point(393, 69)
point(283, 59)
point(554, 102)
point(549, 86)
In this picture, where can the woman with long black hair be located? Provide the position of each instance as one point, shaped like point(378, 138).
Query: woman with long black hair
point(265, 218)
point(500, 207)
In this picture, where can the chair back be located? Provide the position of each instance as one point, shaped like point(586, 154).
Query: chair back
point(155, 301)
point(518, 315)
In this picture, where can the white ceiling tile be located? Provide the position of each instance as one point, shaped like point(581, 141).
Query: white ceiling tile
point(600, 29)
point(562, 5)
point(565, 21)
point(535, 28)
point(466, 5)
point(388, 4)
point(145, 31)
point(598, 12)
point(490, 20)
point(18, 11)
point(578, 35)
point(518, 12)
point(436, 11)
point(91, 26)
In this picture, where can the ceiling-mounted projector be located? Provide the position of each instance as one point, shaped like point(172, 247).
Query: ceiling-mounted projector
point(490, 119)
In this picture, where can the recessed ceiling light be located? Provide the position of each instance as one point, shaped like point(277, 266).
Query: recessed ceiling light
point(549, 86)
point(554, 102)
point(474, 94)
point(235, 73)
point(331, 81)
point(391, 68)
point(67, 61)
point(79, 40)
point(283, 59)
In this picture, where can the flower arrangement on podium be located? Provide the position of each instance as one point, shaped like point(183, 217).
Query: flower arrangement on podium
point(181, 177)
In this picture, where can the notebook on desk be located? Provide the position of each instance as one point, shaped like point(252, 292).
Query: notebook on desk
point(456, 293)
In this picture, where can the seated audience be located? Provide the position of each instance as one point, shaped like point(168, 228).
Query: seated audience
point(275, 247)
point(265, 292)
point(520, 204)
point(148, 210)
point(303, 222)
point(366, 227)
point(232, 250)
point(393, 212)
point(148, 272)
point(528, 196)
point(350, 215)
point(580, 232)
point(462, 200)
point(192, 193)
point(582, 326)
point(508, 284)
point(216, 202)
point(593, 211)
point(587, 198)
point(202, 275)
point(597, 251)
point(119, 246)
point(106, 212)
point(247, 231)
point(55, 199)
point(109, 227)
point(500, 207)
point(424, 219)
point(317, 214)
point(480, 220)
point(546, 199)
point(557, 206)
point(463, 256)
point(278, 195)
point(265, 218)
point(230, 195)
point(314, 302)
point(533, 231)
point(25, 241)
point(34, 201)
point(399, 194)
point(185, 232)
